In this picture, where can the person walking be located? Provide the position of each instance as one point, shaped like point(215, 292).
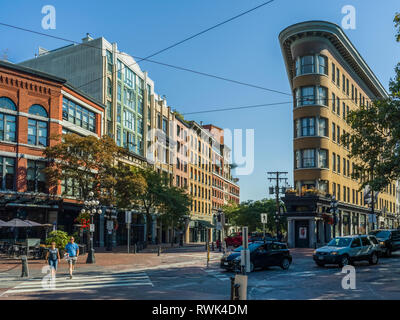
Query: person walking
point(72, 252)
point(52, 257)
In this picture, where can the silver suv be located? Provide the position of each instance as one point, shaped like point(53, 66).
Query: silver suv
point(347, 250)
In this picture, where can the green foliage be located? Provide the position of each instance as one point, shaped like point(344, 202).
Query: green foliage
point(59, 237)
point(248, 214)
point(396, 21)
point(88, 161)
point(374, 141)
point(176, 205)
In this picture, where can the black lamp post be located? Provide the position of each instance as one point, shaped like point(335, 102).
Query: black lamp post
point(111, 216)
point(91, 207)
point(334, 211)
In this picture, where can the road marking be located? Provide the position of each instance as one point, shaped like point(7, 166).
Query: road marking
point(85, 283)
point(217, 274)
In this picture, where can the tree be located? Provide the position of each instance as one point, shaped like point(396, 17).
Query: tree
point(87, 162)
point(176, 206)
point(248, 214)
point(152, 197)
point(130, 186)
point(396, 21)
point(374, 140)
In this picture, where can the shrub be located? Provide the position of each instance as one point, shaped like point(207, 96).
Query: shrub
point(59, 237)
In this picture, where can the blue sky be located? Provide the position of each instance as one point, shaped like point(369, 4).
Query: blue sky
point(246, 49)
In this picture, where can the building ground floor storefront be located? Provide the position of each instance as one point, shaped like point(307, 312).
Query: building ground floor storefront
point(310, 224)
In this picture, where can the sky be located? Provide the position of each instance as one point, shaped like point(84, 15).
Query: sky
point(246, 49)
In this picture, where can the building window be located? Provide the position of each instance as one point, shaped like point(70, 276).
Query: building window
point(307, 127)
point(37, 133)
point(119, 68)
point(311, 96)
point(109, 61)
point(311, 64)
point(6, 103)
point(333, 132)
point(333, 102)
point(129, 78)
point(7, 173)
point(333, 72)
point(323, 64)
point(109, 87)
point(129, 119)
point(7, 127)
point(78, 115)
point(308, 158)
point(164, 125)
point(343, 83)
point(338, 106)
point(338, 164)
point(323, 158)
point(338, 77)
point(334, 162)
point(36, 179)
point(323, 127)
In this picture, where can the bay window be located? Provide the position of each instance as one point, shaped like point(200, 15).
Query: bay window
point(323, 158)
point(311, 95)
point(311, 64)
point(308, 158)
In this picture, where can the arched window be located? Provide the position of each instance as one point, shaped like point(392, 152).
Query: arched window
point(7, 103)
point(38, 110)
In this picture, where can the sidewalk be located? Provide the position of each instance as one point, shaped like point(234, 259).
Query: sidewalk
point(118, 259)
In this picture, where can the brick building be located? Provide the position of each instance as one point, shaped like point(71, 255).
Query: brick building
point(34, 106)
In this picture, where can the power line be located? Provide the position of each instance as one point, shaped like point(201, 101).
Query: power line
point(165, 49)
point(186, 39)
point(241, 107)
point(216, 109)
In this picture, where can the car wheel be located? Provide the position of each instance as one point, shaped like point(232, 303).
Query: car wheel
point(374, 258)
point(320, 264)
point(344, 261)
point(251, 266)
point(388, 253)
point(285, 263)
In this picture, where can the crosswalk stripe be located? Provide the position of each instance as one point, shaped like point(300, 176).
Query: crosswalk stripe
point(84, 282)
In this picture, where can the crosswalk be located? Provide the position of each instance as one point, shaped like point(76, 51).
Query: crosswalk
point(63, 283)
point(217, 274)
point(4, 277)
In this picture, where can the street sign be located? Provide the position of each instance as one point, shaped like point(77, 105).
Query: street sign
point(264, 218)
point(128, 217)
point(110, 225)
point(91, 227)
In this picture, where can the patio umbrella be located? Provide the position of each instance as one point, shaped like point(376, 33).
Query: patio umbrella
point(18, 223)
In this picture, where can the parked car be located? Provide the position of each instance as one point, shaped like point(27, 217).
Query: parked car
point(262, 255)
point(235, 239)
point(347, 250)
point(389, 240)
point(259, 236)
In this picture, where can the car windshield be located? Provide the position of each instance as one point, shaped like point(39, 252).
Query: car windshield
point(252, 247)
point(380, 234)
point(339, 242)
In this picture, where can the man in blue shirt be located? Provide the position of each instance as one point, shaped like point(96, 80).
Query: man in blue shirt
point(72, 250)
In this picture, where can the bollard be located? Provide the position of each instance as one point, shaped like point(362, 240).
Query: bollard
point(212, 246)
point(159, 250)
point(236, 291)
point(25, 270)
point(134, 248)
point(232, 287)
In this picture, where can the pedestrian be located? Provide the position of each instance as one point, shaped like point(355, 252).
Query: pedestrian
point(72, 252)
point(52, 257)
point(279, 236)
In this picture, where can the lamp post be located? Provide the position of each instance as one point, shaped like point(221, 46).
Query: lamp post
point(111, 216)
point(91, 207)
point(334, 211)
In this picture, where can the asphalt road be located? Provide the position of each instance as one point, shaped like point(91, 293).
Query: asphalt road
point(192, 280)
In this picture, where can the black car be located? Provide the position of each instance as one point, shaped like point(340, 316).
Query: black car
point(389, 240)
point(262, 255)
point(259, 236)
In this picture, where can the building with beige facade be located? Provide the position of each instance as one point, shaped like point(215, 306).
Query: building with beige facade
point(328, 78)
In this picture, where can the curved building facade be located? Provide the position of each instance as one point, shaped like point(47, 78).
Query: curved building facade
point(328, 78)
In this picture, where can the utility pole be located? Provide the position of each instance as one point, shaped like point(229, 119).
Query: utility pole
point(276, 176)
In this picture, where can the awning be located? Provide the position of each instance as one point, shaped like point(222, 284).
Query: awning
point(201, 224)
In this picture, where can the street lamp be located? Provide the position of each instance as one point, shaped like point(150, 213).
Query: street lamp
point(111, 216)
point(91, 207)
